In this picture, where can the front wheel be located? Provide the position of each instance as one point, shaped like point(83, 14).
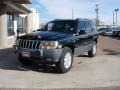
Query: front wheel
point(65, 62)
point(93, 51)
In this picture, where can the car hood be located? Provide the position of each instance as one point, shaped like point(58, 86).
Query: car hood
point(46, 35)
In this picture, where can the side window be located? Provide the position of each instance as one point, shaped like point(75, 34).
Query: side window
point(88, 27)
point(69, 27)
point(81, 26)
point(93, 27)
point(49, 26)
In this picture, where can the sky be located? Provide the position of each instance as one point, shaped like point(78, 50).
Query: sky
point(62, 9)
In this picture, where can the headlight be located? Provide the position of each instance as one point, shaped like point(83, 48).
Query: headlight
point(48, 45)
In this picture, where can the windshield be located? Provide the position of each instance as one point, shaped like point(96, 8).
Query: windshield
point(61, 26)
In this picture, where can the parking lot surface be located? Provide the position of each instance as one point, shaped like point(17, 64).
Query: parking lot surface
point(100, 71)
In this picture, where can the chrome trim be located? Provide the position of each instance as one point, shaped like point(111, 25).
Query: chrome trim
point(26, 44)
point(29, 44)
point(36, 45)
point(32, 45)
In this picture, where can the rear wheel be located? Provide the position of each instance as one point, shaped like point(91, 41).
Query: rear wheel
point(66, 60)
point(25, 61)
point(93, 51)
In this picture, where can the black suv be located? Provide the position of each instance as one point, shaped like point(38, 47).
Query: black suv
point(57, 42)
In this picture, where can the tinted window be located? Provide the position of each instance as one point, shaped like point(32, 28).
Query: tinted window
point(81, 26)
point(93, 27)
point(62, 26)
point(88, 27)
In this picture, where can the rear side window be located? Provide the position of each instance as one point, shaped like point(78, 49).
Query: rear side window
point(86, 25)
point(89, 27)
point(93, 27)
point(81, 26)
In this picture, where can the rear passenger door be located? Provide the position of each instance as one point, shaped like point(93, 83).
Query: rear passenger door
point(84, 39)
point(80, 39)
point(89, 35)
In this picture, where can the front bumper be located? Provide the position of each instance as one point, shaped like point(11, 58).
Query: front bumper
point(52, 55)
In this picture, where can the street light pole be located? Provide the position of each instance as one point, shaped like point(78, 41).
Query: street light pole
point(72, 13)
point(97, 16)
point(116, 10)
point(113, 18)
point(116, 18)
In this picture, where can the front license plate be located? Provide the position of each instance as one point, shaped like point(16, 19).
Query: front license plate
point(26, 54)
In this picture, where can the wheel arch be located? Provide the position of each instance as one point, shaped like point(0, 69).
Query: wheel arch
point(95, 39)
point(71, 46)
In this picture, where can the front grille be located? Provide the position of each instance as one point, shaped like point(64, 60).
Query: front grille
point(29, 44)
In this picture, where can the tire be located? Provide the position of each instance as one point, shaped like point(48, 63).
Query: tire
point(93, 51)
point(66, 61)
point(24, 61)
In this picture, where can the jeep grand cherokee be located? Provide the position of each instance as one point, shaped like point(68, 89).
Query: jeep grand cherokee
point(57, 42)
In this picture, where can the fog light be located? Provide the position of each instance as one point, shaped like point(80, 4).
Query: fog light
point(16, 48)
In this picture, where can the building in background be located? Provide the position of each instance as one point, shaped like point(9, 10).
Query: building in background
point(16, 16)
point(35, 19)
